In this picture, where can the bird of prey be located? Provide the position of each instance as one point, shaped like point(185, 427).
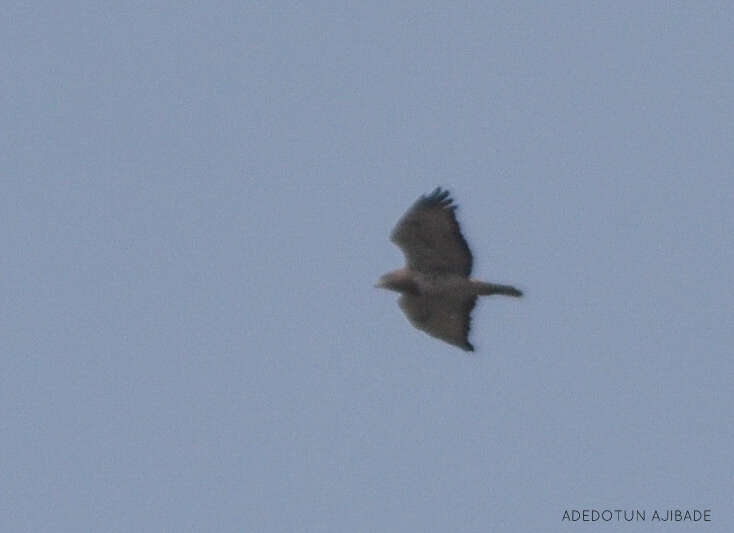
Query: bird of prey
point(437, 294)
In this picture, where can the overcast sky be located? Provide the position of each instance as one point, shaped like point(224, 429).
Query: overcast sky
point(196, 203)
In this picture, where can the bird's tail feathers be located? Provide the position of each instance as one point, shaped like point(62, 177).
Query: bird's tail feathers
point(494, 288)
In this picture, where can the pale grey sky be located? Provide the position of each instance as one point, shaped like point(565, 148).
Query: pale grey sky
point(197, 202)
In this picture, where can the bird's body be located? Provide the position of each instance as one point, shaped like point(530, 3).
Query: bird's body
point(437, 294)
point(420, 283)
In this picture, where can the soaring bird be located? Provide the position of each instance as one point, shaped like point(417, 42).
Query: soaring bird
point(437, 294)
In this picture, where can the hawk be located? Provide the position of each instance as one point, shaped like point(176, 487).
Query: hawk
point(437, 294)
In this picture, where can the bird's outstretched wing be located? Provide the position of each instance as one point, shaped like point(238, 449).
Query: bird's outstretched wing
point(430, 237)
point(448, 319)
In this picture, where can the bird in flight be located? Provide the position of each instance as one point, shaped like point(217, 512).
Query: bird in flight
point(437, 294)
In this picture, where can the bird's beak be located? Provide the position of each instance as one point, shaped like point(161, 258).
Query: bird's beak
point(378, 285)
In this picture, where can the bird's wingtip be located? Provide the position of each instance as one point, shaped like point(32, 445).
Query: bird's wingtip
point(439, 196)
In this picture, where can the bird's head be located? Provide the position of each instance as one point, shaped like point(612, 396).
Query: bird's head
point(399, 281)
point(385, 282)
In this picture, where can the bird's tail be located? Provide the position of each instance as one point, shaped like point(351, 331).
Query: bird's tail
point(493, 288)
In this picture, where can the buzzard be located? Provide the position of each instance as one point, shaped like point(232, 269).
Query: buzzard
point(437, 294)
